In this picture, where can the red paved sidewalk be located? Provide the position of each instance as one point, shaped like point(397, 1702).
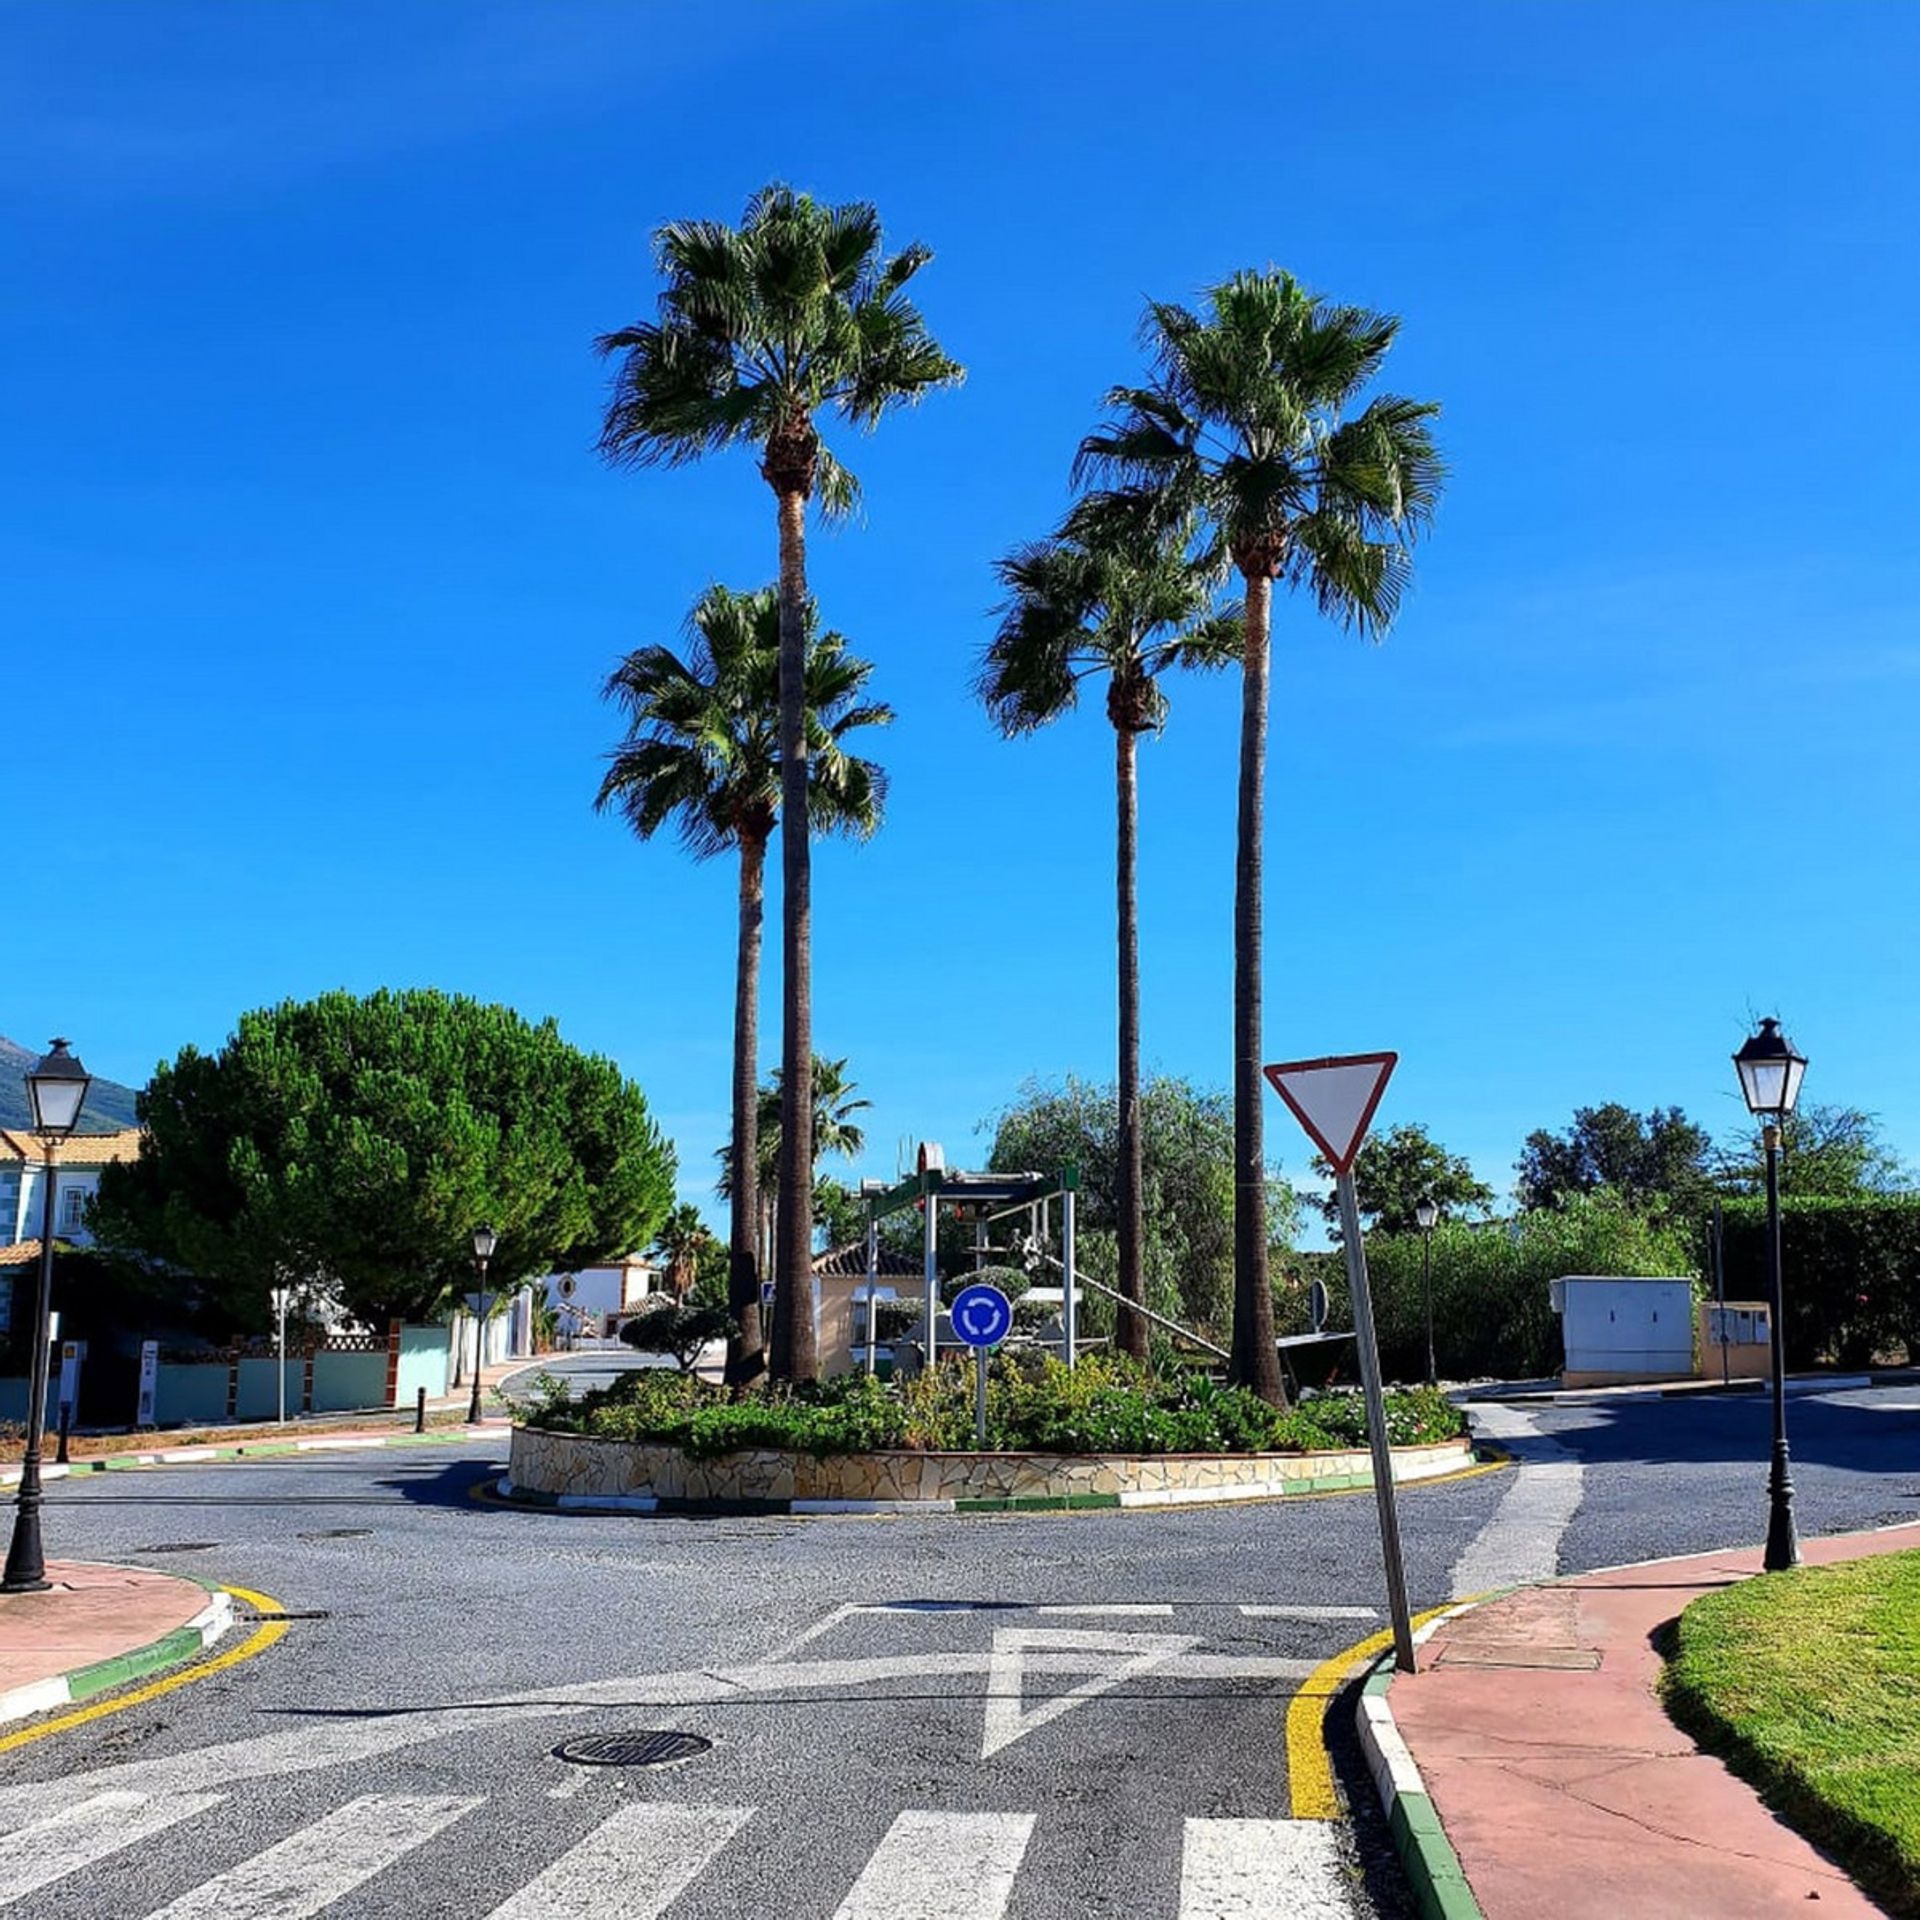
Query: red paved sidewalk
point(1561, 1782)
point(91, 1613)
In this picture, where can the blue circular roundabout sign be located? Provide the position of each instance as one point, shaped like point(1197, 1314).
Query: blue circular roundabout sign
point(982, 1316)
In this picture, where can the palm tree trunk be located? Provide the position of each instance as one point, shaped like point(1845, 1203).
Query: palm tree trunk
point(746, 1357)
point(1256, 1361)
point(1131, 1331)
point(795, 1349)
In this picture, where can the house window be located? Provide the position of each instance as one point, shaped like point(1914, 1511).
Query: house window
point(72, 1206)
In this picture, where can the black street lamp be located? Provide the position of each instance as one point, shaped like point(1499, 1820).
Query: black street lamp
point(1426, 1213)
point(57, 1090)
point(484, 1242)
point(1770, 1074)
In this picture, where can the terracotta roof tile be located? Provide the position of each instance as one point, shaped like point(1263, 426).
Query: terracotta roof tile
point(850, 1263)
point(82, 1150)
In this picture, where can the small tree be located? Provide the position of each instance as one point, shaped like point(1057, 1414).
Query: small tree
point(1395, 1170)
point(685, 1332)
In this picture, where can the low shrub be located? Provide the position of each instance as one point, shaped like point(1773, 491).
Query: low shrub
point(1035, 1404)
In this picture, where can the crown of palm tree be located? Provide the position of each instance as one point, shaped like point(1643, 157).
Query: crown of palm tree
point(763, 327)
point(1246, 424)
point(702, 747)
point(1118, 589)
point(834, 1128)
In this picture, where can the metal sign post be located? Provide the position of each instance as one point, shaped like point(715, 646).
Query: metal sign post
point(1369, 1354)
point(982, 1317)
point(1335, 1100)
point(281, 1298)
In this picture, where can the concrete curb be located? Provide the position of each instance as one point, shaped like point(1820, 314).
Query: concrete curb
point(1432, 1867)
point(1482, 1457)
point(259, 1450)
point(63, 1689)
point(1798, 1384)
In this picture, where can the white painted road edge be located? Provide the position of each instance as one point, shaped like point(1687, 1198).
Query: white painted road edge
point(42, 1696)
point(1521, 1543)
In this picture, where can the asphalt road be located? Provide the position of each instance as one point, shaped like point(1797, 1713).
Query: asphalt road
point(1025, 1715)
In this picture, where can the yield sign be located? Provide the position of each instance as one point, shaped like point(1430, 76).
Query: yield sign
point(1334, 1099)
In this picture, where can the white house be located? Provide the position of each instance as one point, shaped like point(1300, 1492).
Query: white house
point(599, 1295)
point(23, 1172)
point(23, 1163)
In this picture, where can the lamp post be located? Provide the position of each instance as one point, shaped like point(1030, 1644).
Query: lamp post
point(57, 1090)
point(484, 1242)
point(1770, 1074)
point(1426, 1213)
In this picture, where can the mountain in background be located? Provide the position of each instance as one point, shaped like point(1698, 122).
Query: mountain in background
point(109, 1105)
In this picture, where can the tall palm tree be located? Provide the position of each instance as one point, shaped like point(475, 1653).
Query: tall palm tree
point(1248, 420)
point(1118, 590)
point(678, 1241)
point(834, 1131)
point(762, 329)
point(702, 750)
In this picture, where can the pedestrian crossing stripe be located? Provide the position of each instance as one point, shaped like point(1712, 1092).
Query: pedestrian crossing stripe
point(929, 1865)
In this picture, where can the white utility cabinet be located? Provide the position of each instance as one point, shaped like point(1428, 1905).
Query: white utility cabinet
point(1621, 1328)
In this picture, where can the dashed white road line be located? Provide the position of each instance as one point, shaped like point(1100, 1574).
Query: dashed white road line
point(1129, 1611)
point(1311, 1613)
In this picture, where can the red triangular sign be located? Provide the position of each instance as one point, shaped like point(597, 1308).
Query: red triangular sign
point(1334, 1099)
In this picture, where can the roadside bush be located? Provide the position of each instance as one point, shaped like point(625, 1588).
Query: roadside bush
point(1035, 1403)
point(1492, 1307)
point(1851, 1273)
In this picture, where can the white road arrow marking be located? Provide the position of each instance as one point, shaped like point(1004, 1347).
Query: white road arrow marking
point(311, 1741)
point(1017, 1650)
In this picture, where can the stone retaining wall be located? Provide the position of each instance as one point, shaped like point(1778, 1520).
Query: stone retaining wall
point(571, 1469)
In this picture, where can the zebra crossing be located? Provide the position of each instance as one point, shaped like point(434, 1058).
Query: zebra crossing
point(639, 1860)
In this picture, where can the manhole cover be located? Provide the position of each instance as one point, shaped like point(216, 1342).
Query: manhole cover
point(650, 1749)
point(337, 1533)
point(179, 1546)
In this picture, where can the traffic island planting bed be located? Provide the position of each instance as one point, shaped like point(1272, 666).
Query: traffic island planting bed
point(1808, 1685)
point(1101, 1435)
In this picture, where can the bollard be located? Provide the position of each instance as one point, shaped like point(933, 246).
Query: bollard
point(420, 1411)
point(66, 1423)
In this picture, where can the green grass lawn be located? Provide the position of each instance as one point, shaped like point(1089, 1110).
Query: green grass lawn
point(1808, 1684)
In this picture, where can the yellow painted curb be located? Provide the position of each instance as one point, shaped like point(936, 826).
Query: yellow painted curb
point(259, 1641)
point(1309, 1771)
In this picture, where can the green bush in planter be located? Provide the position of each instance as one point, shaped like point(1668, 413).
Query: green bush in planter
point(1035, 1403)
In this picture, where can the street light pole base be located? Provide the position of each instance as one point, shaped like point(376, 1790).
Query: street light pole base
point(26, 1560)
point(1783, 1538)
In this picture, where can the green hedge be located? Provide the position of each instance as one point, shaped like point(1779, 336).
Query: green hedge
point(1493, 1313)
point(1034, 1404)
point(1850, 1274)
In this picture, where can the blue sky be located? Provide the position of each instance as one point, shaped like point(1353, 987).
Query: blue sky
point(307, 555)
